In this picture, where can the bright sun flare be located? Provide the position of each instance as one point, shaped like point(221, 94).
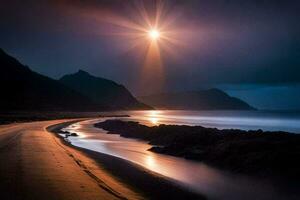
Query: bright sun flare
point(154, 34)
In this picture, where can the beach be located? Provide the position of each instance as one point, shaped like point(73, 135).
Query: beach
point(199, 176)
point(37, 164)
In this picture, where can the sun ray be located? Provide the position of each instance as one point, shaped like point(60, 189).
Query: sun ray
point(154, 30)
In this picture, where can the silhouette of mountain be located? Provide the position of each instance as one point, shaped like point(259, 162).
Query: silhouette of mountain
point(212, 99)
point(102, 91)
point(23, 89)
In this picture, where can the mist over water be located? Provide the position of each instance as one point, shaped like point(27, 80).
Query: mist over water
point(197, 176)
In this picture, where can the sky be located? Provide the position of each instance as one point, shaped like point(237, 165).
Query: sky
point(249, 48)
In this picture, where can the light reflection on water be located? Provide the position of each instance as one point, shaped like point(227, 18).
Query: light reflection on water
point(195, 175)
point(246, 120)
point(153, 117)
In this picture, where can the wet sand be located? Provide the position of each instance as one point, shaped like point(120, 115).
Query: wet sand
point(212, 182)
point(149, 184)
point(36, 164)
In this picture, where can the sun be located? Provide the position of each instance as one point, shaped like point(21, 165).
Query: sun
point(154, 34)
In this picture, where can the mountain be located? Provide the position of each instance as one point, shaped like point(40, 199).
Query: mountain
point(212, 99)
point(23, 89)
point(102, 91)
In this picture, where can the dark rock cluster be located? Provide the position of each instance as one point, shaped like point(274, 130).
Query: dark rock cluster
point(258, 152)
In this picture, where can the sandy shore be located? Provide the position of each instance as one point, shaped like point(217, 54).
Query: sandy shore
point(36, 164)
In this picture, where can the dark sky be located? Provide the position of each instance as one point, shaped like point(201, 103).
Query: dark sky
point(249, 48)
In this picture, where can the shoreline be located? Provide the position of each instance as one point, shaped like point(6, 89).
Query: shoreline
point(147, 183)
point(261, 154)
point(12, 117)
point(37, 165)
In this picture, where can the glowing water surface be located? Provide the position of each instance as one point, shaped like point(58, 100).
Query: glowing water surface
point(246, 120)
point(213, 183)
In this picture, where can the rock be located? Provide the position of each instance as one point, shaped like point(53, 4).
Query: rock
point(257, 152)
